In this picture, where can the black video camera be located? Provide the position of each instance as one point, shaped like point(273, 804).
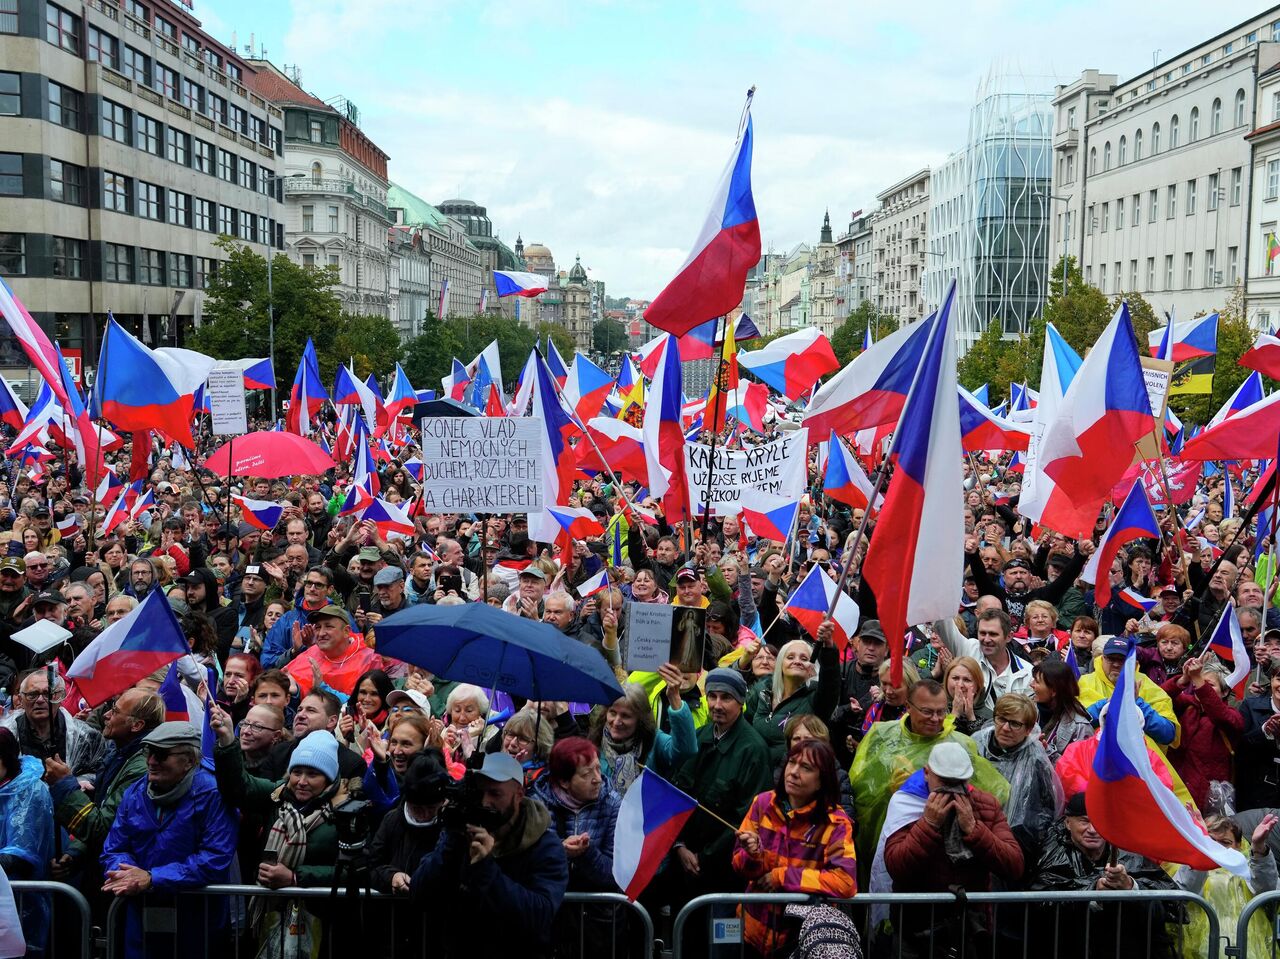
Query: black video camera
point(352, 825)
point(465, 806)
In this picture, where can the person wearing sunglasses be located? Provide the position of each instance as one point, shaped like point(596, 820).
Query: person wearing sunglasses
point(39, 569)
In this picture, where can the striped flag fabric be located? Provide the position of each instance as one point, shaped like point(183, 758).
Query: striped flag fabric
point(650, 818)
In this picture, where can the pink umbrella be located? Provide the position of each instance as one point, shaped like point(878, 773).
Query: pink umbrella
point(270, 454)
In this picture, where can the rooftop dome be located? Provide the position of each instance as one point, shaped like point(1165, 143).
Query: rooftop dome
point(577, 274)
point(537, 249)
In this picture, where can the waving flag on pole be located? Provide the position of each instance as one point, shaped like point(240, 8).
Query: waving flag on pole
point(485, 371)
point(1264, 356)
point(82, 431)
point(40, 351)
point(586, 387)
point(1246, 394)
point(261, 514)
point(389, 517)
point(917, 555)
point(128, 650)
point(1128, 804)
point(769, 516)
point(514, 283)
point(13, 412)
point(1180, 342)
point(870, 390)
point(308, 393)
point(1135, 519)
point(724, 383)
point(1247, 435)
point(1227, 643)
point(710, 282)
point(596, 584)
point(559, 463)
point(649, 821)
point(579, 523)
point(349, 389)
point(664, 437)
point(809, 603)
point(844, 480)
point(556, 364)
point(981, 429)
point(866, 339)
point(403, 395)
point(791, 364)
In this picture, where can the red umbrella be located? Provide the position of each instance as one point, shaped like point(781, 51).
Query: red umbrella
point(270, 454)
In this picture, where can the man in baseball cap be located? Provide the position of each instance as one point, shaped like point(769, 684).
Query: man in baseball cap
point(504, 872)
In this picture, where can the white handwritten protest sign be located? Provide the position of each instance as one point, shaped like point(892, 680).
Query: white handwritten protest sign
point(777, 468)
point(481, 464)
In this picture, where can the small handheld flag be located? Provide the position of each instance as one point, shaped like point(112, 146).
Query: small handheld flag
point(650, 818)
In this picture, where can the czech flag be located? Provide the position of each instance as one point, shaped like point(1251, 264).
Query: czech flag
point(791, 364)
point(748, 404)
point(13, 412)
point(1128, 804)
point(648, 356)
point(138, 388)
point(403, 395)
point(579, 523)
point(769, 516)
point(1247, 435)
point(515, 283)
point(40, 351)
point(1135, 519)
point(260, 514)
point(559, 462)
point(710, 282)
point(128, 650)
point(699, 343)
point(1137, 600)
point(809, 603)
point(1084, 447)
point(69, 526)
point(415, 467)
point(389, 517)
point(844, 480)
point(350, 390)
point(307, 395)
point(257, 374)
point(586, 387)
point(621, 445)
point(1185, 341)
point(1227, 643)
point(649, 821)
point(556, 364)
point(596, 584)
point(916, 556)
point(85, 435)
point(1246, 394)
point(980, 429)
point(1264, 356)
point(870, 390)
point(664, 437)
point(455, 384)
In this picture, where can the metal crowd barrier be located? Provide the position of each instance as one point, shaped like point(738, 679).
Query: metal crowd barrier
point(1263, 906)
point(45, 908)
point(215, 921)
point(940, 924)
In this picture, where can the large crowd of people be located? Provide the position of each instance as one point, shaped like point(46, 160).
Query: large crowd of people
point(332, 764)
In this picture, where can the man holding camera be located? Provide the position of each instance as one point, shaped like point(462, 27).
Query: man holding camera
point(499, 868)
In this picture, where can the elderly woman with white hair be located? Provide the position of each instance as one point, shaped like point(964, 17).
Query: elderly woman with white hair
point(798, 685)
point(467, 712)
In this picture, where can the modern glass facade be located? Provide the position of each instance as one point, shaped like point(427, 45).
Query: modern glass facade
point(990, 213)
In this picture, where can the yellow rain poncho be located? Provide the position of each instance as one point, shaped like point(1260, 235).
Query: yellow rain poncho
point(1228, 894)
point(1096, 687)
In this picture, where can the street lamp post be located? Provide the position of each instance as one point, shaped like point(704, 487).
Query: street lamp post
point(272, 178)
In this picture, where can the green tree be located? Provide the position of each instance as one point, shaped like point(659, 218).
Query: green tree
point(429, 356)
point(235, 323)
point(846, 341)
point(370, 341)
point(609, 336)
point(1234, 339)
point(987, 361)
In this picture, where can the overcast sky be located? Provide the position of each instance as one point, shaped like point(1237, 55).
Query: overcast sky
point(599, 128)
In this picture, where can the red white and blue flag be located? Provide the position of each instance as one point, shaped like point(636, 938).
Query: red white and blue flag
point(1246, 394)
point(1135, 599)
point(579, 523)
point(844, 480)
point(515, 283)
point(455, 384)
point(307, 395)
point(128, 650)
point(1185, 341)
point(981, 429)
point(769, 516)
point(559, 463)
point(389, 517)
point(710, 282)
point(260, 514)
point(403, 395)
point(13, 412)
point(1227, 643)
point(1128, 804)
point(596, 584)
point(621, 445)
point(586, 387)
point(791, 364)
point(1135, 519)
point(809, 603)
point(556, 364)
point(664, 436)
point(1264, 356)
point(1247, 435)
point(917, 553)
point(649, 821)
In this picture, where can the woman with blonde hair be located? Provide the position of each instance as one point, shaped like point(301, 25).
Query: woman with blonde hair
point(962, 679)
point(790, 690)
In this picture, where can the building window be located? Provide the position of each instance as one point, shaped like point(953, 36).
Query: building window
point(239, 119)
point(166, 81)
point(1186, 68)
point(1102, 277)
point(1071, 114)
point(1071, 168)
point(67, 256)
point(1193, 128)
point(235, 73)
point(1133, 274)
point(1227, 48)
point(167, 28)
point(1273, 179)
point(202, 155)
point(177, 145)
point(218, 108)
point(103, 48)
point(309, 260)
point(137, 66)
point(309, 219)
point(1122, 148)
point(248, 222)
point(1168, 272)
point(1155, 138)
point(151, 268)
point(192, 95)
point(61, 28)
point(179, 208)
point(273, 135)
point(1188, 271)
point(204, 215)
point(1120, 214)
point(1239, 112)
point(65, 106)
point(1212, 197)
point(334, 261)
point(8, 16)
point(1106, 156)
point(148, 203)
point(317, 131)
point(1236, 178)
point(117, 263)
point(226, 166)
point(66, 182)
point(115, 192)
point(1233, 264)
point(1206, 59)
point(10, 94)
point(115, 122)
point(258, 129)
point(1151, 273)
point(1174, 130)
point(1210, 274)
point(206, 271)
point(1137, 146)
point(10, 174)
point(226, 221)
point(1191, 197)
point(211, 57)
point(248, 174)
point(1137, 209)
point(146, 134)
point(190, 43)
point(13, 254)
point(179, 270)
point(1171, 209)
point(333, 219)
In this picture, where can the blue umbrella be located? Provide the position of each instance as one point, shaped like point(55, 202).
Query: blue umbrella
point(480, 644)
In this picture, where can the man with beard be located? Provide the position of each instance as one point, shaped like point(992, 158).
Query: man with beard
point(1018, 590)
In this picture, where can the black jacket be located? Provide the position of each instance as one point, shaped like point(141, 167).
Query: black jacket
point(1257, 769)
point(398, 847)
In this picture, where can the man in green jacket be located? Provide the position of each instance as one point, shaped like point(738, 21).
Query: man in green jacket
point(88, 818)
